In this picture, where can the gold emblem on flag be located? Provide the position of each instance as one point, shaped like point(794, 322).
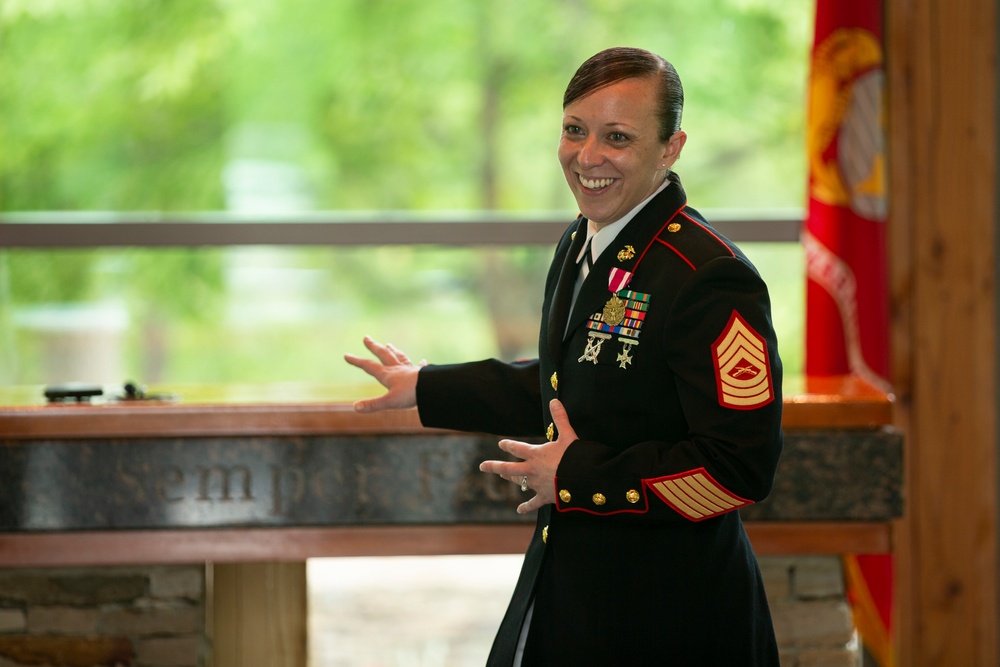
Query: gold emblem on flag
point(846, 106)
point(626, 253)
point(614, 311)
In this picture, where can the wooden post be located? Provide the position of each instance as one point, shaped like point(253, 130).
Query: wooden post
point(258, 614)
point(942, 87)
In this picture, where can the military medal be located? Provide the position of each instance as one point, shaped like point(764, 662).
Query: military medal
point(614, 309)
point(594, 342)
point(628, 327)
point(625, 359)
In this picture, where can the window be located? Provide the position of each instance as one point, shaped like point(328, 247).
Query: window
point(266, 112)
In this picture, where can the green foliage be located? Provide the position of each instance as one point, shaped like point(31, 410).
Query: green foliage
point(287, 105)
point(454, 104)
point(112, 105)
point(45, 277)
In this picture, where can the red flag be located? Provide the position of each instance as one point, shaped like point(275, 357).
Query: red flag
point(847, 325)
point(847, 295)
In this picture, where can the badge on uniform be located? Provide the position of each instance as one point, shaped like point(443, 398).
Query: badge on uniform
point(742, 368)
point(622, 316)
point(594, 342)
point(624, 359)
point(696, 495)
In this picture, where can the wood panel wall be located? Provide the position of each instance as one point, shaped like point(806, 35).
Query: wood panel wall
point(942, 87)
point(258, 615)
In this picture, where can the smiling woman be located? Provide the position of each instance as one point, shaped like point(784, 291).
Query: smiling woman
point(666, 424)
point(611, 151)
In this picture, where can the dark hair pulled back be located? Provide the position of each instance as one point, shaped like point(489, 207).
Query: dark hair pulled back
point(618, 63)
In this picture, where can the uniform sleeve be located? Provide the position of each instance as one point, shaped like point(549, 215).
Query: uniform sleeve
point(722, 356)
point(487, 396)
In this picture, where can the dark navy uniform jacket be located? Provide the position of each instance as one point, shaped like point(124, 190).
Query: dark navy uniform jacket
point(673, 385)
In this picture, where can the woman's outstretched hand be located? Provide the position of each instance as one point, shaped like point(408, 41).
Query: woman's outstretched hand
point(537, 469)
point(394, 371)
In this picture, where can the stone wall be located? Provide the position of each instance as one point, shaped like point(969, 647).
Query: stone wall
point(106, 617)
point(155, 616)
point(812, 619)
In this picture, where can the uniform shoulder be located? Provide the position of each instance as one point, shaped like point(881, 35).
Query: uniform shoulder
point(689, 236)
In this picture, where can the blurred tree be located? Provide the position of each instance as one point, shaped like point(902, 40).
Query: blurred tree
point(285, 105)
point(117, 106)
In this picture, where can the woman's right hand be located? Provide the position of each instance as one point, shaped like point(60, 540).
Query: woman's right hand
point(394, 371)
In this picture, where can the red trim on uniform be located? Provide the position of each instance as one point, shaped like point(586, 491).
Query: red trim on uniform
point(649, 245)
point(641, 507)
point(596, 513)
point(695, 494)
point(678, 253)
point(705, 229)
point(711, 233)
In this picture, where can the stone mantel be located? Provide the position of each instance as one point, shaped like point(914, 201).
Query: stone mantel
point(125, 481)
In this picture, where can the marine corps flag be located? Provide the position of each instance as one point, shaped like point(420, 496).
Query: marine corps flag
point(847, 324)
point(847, 297)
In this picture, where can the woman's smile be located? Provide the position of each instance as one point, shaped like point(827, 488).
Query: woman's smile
point(596, 184)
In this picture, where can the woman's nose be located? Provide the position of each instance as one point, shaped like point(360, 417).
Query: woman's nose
point(590, 153)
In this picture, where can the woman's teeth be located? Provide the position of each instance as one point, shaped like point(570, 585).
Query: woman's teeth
point(596, 183)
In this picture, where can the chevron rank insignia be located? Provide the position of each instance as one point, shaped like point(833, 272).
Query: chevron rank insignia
point(742, 371)
point(696, 495)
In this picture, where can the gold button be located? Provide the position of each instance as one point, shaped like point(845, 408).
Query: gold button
point(550, 432)
point(545, 534)
point(674, 227)
point(555, 381)
point(565, 496)
point(599, 499)
point(632, 496)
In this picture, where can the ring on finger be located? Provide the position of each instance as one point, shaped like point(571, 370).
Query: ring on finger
point(524, 483)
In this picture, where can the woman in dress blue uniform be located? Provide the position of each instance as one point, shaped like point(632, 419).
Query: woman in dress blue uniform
point(658, 390)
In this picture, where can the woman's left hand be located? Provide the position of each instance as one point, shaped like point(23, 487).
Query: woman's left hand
point(538, 464)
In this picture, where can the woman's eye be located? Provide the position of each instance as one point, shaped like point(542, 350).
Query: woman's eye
point(572, 129)
point(618, 137)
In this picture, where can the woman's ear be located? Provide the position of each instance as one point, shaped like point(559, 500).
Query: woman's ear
point(674, 146)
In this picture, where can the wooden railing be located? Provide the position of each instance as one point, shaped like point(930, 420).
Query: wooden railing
point(844, 414)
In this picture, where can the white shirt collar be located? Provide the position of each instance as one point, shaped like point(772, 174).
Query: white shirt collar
point(601, 238)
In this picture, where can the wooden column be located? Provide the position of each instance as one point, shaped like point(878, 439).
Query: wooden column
point(942, 83)
point(258, 615)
